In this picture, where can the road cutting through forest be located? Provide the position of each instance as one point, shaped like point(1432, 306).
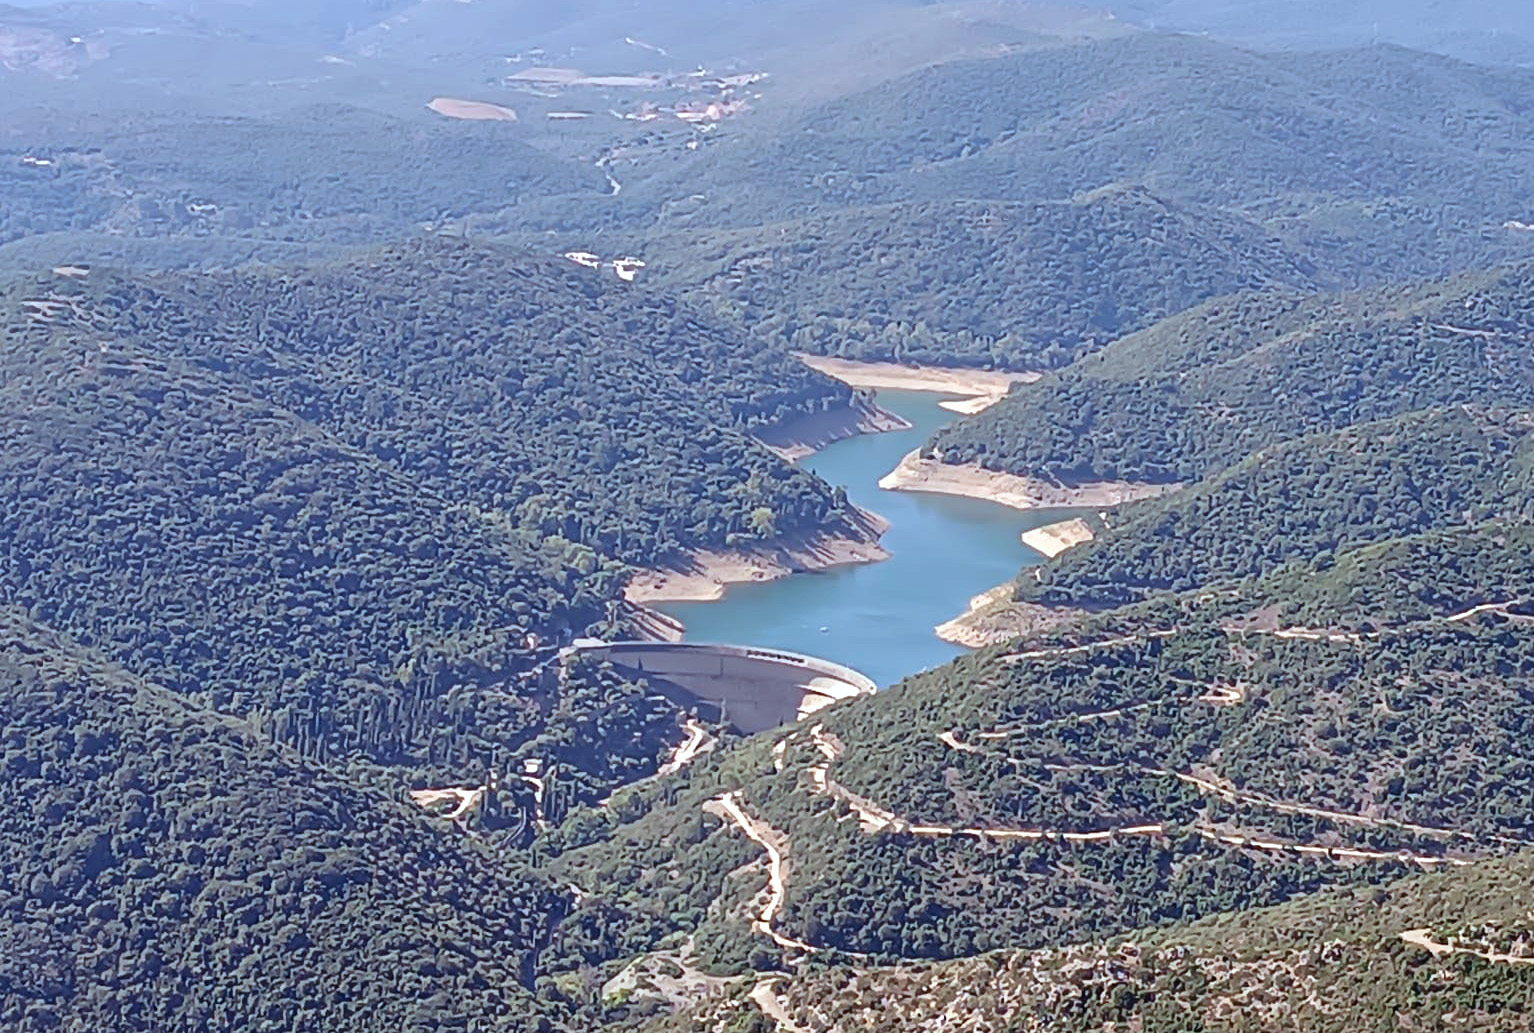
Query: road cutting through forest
point(698, 742)
point(767, 838)
point(1424, 938)
point(1209, 787)
point(874, 818)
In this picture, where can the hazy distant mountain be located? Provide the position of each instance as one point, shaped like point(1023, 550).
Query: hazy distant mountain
point(1494, 30)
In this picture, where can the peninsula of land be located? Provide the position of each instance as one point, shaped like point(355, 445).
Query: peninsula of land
point(704, 575)
point(916, 473)
point(995, 618)
point(1053, 539)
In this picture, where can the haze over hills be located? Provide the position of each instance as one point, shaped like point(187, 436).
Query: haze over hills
point(1489, 30)
point(956, 282)
point(1339, 169)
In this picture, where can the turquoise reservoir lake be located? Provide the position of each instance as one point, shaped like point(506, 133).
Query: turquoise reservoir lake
point(878, 618)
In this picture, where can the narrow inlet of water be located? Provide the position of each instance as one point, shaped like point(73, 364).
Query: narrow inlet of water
point(879, 618)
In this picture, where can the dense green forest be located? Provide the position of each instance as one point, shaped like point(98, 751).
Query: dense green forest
point(361, 504)
point(931, 217)
point(1337, 959)
point(1291, 138)
point(327, 174)
point(164, 866)
point(964, 283)
point(1308, 500)
point(278, 573)
point(610, 418)
point(1361, 591)
point(314, 454)
point(1204, 389)
point(1201, 726)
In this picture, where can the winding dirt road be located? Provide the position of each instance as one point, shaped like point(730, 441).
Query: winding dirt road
point(768, 839)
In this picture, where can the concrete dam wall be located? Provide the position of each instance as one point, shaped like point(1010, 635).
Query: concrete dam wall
point(750, 689)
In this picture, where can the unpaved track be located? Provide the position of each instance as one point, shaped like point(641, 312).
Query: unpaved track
point(1424, 938)
point(1329, 852)
point(1340, 817)
point(1089, 647)
point(767, 838)
point(765, 996)
point(874, 818)
point(1258, 801)
point(698, 743)
point(1297, 633)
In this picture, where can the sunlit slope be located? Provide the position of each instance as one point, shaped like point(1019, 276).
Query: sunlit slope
point(1409, 953)
point(1202, 390)
point(1022, 286)
point(1307, 500)
point(1160, 765)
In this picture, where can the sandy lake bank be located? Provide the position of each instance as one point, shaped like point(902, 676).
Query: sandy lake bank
point(970, 406)
point(994, 618)
point(894, 376)
point(971, 481)
point(1053, 539)
point(803, 436)
point(704, 575)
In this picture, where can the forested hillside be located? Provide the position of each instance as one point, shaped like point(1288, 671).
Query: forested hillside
point(1058, 791)
point(1308, 499)
point(1192, 119)
point(165, 867)
point(1020, 209)
point(1202, 390)
point(316, 454)
point(1500, 31)
point(1018, 286)
point(611, 418)
point(1345, 961)
point(361, 504)
point(219, 545)
point(329, 174)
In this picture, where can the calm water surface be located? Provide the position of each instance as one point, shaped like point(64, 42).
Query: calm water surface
point(879, 617)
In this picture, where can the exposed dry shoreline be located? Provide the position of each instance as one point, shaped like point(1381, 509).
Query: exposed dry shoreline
point(703, 575)
point(654, 626)
point(970, 406)
point(1053, 539)
point(936, 477)
point(805, 435)
point(994, 618)
point(971, 383)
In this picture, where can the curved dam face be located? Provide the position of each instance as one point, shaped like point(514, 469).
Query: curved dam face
point(750, 689)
